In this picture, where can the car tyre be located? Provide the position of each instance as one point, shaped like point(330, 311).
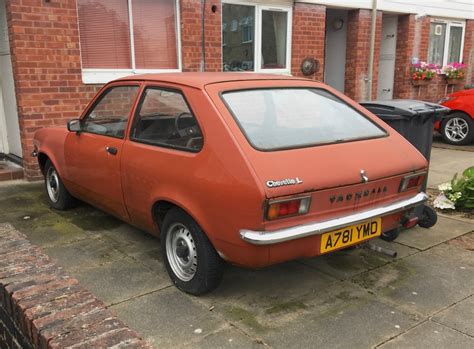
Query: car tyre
point(58, 196)
point(192, 262)
point(428, 218)
point(457, 129)
point(390, 235)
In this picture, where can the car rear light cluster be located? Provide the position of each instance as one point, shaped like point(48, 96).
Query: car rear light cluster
point(286, 208)
point(412, 181)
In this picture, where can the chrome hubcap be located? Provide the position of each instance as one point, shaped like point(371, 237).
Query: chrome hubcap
point(456, 129)
point(52, 184)
point(181, 252)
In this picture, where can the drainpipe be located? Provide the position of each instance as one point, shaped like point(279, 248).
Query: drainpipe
point(372, 49)
point(203, 35)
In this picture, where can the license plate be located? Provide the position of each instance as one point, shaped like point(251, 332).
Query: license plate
point(350, 235)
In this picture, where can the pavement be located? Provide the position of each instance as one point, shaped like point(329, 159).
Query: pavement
point(353, 298)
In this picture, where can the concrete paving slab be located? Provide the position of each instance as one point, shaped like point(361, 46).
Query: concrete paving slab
point(436, 178)
point(465, 241)
point(120, 280)
point(50, 230)
point(84, 253)
point(459, 317)
point(151, 259)
point(227, 338)
point(249, 293)
point(430, 335)
point(347, 263)
point(445, 163)
point(342, 316)
point(169, 318)
point(131, 240)
point(444, 230)
point(423, 283)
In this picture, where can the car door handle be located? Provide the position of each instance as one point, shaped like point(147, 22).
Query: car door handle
point(111, 150)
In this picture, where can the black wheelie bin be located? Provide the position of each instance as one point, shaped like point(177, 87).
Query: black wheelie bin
point(414, 120)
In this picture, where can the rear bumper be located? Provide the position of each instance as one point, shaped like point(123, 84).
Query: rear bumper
point(301, 231)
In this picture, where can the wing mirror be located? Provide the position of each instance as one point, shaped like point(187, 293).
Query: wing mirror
point(74, 125)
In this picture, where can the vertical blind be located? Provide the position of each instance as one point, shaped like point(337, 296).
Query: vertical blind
point(104, 28)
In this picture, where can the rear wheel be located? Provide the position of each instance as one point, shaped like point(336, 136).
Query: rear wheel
point(57, 194)
point(192, 263)
point(458, 128)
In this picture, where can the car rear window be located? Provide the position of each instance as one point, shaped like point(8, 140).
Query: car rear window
point(285, 118)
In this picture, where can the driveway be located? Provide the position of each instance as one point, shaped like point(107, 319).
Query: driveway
point(354, 298)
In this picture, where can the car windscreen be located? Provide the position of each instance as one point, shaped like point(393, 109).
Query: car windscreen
point(285, 118)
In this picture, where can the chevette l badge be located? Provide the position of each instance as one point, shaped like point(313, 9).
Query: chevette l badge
point(283, 182)
point(363, 176)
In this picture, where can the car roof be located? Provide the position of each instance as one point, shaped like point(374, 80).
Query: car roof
point(199, 80)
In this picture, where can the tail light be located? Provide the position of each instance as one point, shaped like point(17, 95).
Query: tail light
point(412, 181)
point(286, 208)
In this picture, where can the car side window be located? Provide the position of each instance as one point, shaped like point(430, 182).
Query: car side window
point(109, 116)
point(164, 118)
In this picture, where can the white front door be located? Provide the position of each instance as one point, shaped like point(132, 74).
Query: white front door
point(9, 126)
point(388, 49)
point(335, 48)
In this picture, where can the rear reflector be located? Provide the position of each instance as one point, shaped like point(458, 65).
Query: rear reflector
point(412, 181)
point(410, 223)
point(285, 208)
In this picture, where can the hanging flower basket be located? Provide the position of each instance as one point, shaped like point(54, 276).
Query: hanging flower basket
point(420, 82)
point(422, 73)
point(454, 73)
point(454, 81)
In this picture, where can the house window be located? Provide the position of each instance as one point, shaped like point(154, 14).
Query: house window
point(122, 37)
point(259, 39)
point(446, 42)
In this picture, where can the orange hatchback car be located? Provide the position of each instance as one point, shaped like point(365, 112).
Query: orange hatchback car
point(244, 168)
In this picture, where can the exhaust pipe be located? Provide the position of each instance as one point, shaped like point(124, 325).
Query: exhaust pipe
point(383, 250)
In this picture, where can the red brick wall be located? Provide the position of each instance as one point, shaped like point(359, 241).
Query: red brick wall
point(191, 35)
point(468, 54)
point(358, 51)
point(404, 52)
point(309, 23)
point(44, 42)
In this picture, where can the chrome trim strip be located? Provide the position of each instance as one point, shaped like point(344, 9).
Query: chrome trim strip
point(300, 231)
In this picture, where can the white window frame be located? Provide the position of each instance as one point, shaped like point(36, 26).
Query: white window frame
point(258, 35)
point(449, 24)
point(102, 76)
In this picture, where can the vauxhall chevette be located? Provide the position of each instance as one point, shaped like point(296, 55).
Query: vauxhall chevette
point(242, 168)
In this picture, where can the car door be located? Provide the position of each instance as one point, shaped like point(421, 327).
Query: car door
point(162, 152)
point(93, 155)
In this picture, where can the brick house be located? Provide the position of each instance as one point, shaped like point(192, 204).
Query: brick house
point(55, 54)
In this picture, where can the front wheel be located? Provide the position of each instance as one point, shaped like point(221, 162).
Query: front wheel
point(57, 194)
point(458, 129)
point(192, 263)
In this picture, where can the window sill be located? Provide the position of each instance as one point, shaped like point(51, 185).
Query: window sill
point(103, 76)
